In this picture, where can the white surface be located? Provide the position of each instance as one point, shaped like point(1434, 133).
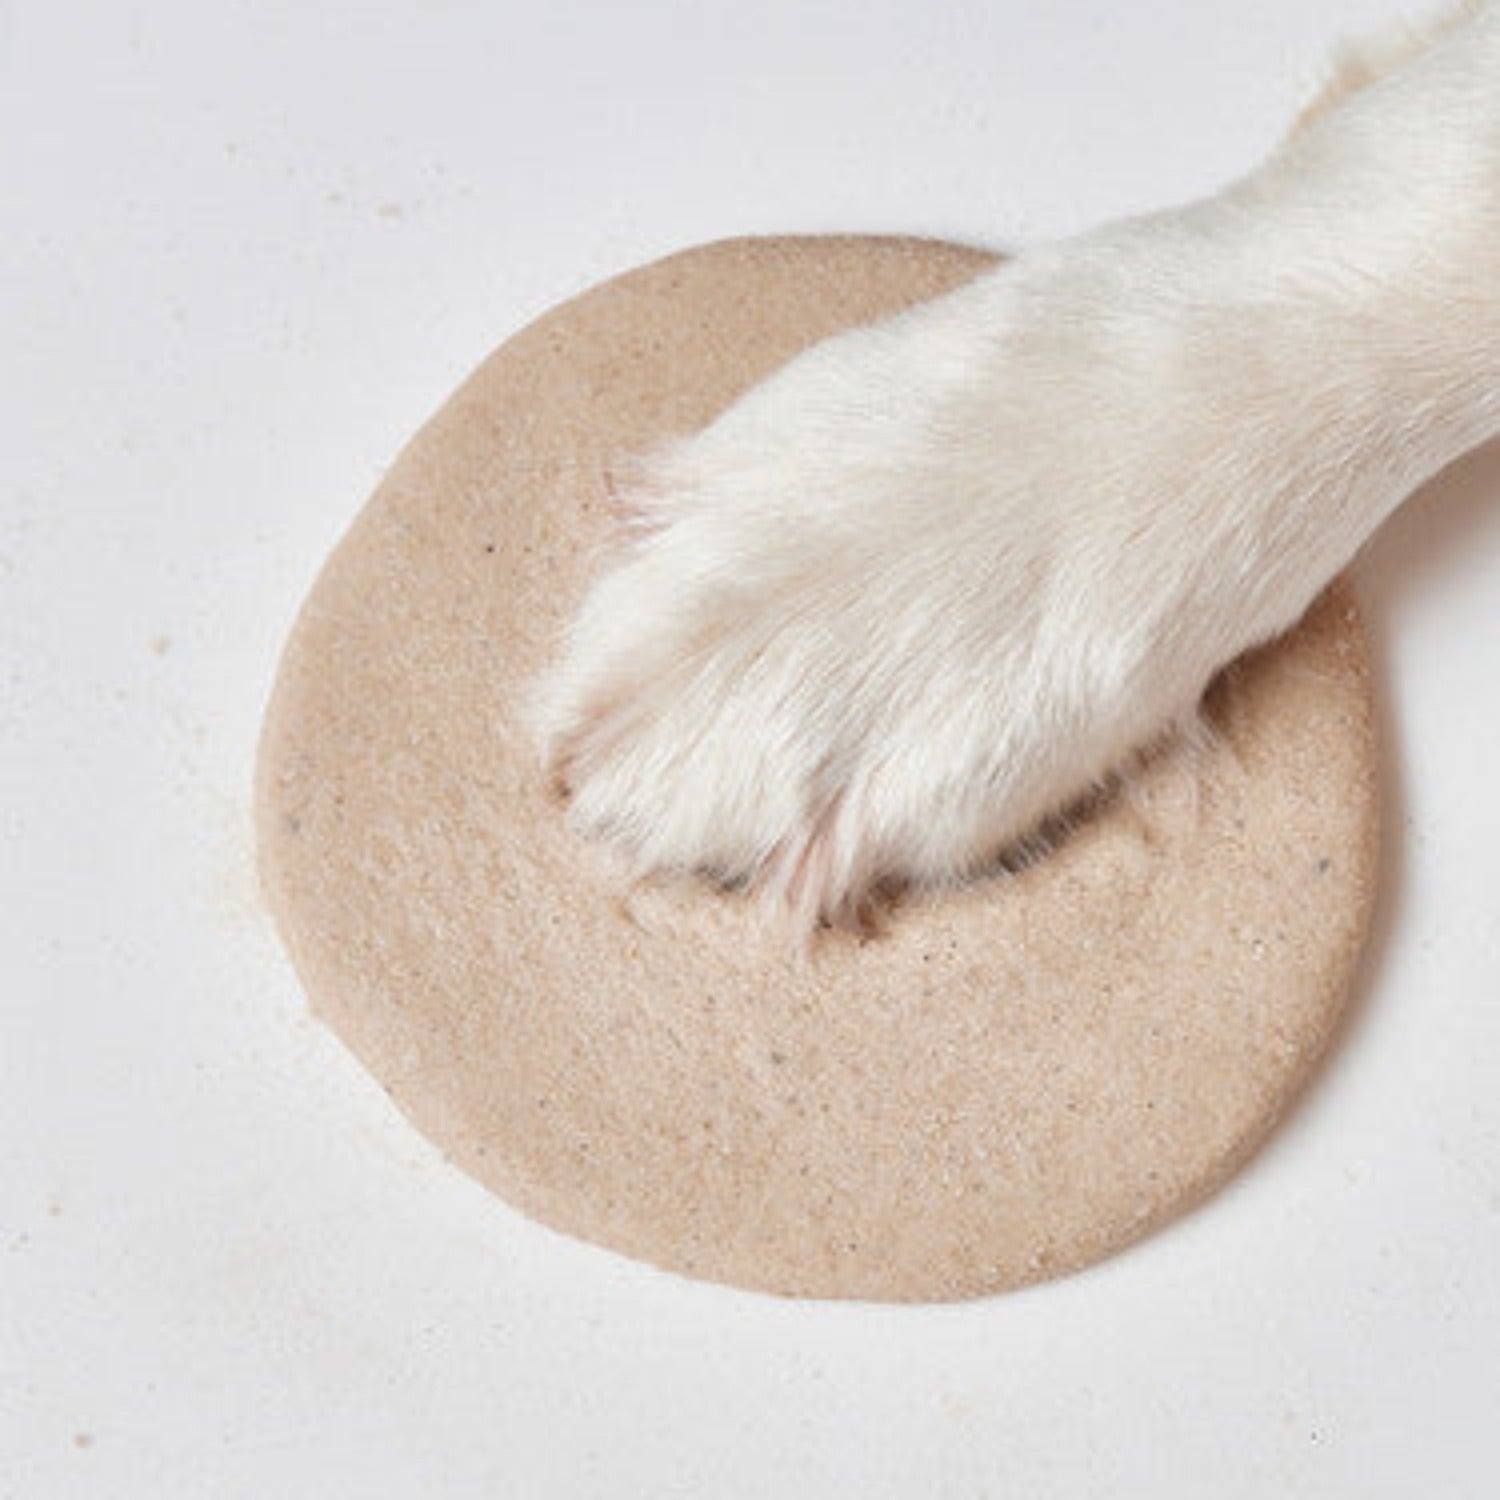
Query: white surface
point(245, 249)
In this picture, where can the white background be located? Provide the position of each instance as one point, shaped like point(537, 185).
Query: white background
point(245, 249)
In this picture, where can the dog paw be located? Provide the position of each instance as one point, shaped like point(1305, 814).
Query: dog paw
point(877, 622)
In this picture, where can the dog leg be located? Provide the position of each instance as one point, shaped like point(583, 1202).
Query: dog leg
point(933, 580)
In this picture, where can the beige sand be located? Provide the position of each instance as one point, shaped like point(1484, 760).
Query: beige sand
point(1013, 1082)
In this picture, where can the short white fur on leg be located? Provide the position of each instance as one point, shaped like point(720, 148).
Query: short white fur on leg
point(936, 578)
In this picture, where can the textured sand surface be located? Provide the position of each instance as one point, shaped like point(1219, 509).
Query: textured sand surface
point(1012, 1082)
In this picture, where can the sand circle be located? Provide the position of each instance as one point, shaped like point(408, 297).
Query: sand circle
point(1012, 1082)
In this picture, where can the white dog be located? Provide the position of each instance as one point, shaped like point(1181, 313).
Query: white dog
point(940, 576)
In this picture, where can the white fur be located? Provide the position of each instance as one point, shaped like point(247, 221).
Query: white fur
point(937, 577)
